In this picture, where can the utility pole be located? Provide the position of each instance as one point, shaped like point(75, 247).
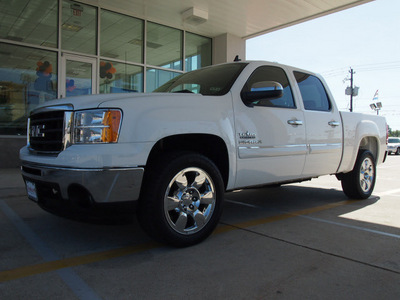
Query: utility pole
point(351, 86)
point(351, 90)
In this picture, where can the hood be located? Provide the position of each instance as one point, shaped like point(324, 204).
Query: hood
point(103, 100)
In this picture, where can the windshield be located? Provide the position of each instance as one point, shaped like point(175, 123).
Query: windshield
point(210, 81)
point(394, 140)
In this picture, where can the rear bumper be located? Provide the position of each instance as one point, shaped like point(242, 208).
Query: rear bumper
point(84, 185)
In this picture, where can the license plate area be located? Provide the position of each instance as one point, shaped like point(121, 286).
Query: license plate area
point(31, 190)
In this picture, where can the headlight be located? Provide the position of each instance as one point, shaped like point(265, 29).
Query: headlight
point(97, 126)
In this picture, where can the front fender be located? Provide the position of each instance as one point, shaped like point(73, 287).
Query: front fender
point(157, 117)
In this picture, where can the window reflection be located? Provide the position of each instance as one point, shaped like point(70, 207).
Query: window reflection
point(121, 37)
point(156, 78)
point(78, 78)
point(28, 21)
point(78, 26)
point(198, 52)
point(120, 78)
point(28, 77)
point(164, 46)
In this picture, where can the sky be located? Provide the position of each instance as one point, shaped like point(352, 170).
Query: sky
point(365, 38)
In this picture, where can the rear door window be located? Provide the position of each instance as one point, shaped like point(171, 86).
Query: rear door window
point(313, 92)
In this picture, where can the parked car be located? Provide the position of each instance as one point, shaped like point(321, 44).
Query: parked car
point(394, 145)
point(176, 151)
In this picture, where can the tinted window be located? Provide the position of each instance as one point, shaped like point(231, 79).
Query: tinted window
point(269, 74)
point(313, 92)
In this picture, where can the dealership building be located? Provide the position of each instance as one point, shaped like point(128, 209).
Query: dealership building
point(51, 49)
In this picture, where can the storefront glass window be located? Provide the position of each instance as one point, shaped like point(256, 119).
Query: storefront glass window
point(120, 78)
point(156, 78)
point(198, 52)
point(121, 37)
point(78, 27)
point(28, 77)
point(28, 21)
point(164, 46)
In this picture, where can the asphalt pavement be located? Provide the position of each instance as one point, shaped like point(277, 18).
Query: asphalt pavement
point(298, 241)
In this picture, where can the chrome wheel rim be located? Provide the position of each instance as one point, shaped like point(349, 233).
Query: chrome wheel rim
point(366, 175)
point(189, 201)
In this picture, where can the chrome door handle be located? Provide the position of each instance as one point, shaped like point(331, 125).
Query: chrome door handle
point(295, 122)
point(333, 123)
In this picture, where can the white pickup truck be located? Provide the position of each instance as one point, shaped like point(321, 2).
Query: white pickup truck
point(176, 151)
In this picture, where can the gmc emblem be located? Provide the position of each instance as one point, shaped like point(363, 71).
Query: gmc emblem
point(37, 131)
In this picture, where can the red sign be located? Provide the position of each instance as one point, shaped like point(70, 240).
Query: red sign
point(77, 12)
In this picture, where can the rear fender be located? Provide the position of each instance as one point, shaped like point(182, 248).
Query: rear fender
point(364, 136)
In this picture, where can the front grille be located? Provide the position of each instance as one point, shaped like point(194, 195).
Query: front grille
point(46, 131)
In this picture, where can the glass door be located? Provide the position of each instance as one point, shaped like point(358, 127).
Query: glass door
point(79, 76)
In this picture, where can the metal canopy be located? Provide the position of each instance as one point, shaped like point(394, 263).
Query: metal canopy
point(242, 18)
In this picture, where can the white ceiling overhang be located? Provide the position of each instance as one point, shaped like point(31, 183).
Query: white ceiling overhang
point(242, 18)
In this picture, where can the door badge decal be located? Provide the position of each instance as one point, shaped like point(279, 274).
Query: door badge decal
point(247, 138)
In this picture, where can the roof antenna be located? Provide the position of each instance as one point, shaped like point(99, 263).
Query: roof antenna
point(237, 58)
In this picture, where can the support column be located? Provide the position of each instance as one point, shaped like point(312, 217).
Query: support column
point(226, 46)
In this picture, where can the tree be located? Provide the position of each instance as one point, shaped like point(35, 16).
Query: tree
point(394, 133)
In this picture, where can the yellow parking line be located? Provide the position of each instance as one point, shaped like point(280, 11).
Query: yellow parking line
point(109, 254)
point(73, 261)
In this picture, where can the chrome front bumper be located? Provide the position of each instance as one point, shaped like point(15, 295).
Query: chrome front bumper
point(94, 185)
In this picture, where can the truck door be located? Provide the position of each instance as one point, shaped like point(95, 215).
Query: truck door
point(323, 127)
point(270, 132)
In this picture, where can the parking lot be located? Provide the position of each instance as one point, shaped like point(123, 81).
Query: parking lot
point(298, 241)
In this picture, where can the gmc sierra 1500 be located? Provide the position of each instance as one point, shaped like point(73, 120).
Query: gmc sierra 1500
point(176, 151)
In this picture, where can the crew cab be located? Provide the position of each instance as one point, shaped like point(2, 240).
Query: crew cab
point(173, 153)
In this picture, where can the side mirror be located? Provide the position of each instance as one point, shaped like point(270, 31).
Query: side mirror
point(263, 90)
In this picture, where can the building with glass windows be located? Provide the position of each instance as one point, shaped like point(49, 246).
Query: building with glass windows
point(53, 49)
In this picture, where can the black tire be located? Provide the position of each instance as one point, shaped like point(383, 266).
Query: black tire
point(397, 151)
point(182, 199)
point(360, 182)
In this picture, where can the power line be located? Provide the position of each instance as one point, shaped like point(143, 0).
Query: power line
point(364, 68)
